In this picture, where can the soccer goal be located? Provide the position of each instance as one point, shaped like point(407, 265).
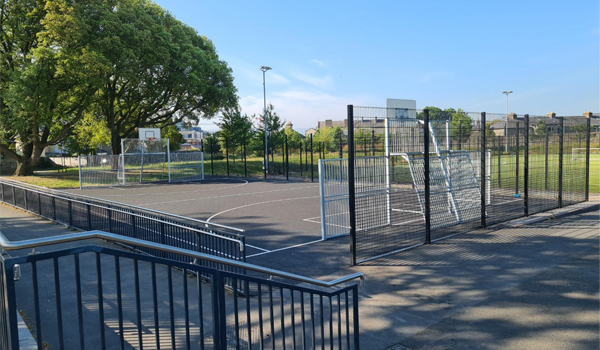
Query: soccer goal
point(578, 154)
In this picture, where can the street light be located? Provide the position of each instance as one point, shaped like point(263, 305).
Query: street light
point(506, 122)
point(264, 69)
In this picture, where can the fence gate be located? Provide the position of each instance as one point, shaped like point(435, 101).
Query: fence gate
point(372, 188)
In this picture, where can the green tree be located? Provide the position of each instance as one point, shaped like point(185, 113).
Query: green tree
point(160, 70)
point(294, 138)
point(275, 131)
point(461, 127)
point(211, 145)
point(580, 131)
point(236, 128)
point(540, 129)
point(436, 113)
point(170, 131)
point(47, 76)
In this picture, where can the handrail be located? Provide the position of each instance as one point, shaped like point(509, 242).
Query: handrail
point(5, 244)
point(41, 189)
point(231, 239)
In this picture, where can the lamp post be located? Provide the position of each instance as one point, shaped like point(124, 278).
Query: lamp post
point(264, 69)
point(506, 122)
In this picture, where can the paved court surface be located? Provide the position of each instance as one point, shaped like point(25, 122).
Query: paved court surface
point(524, 285)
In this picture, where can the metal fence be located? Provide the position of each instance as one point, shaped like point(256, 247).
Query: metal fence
point(99, 297)
point(87, 213)
point(450, 174)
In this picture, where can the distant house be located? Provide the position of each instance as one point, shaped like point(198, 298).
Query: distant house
point(193, 137)
point(309, 132)
point(551, 121)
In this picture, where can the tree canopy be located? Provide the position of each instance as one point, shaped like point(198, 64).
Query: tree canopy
point(123, 63)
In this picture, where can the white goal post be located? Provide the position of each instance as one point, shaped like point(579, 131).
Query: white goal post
point(579, 154)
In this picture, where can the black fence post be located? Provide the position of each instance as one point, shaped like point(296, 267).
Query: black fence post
point(546, 160)
point(245, 158)
point(560, 161)
point(587, 157)
point(312, 175)
point(373, 142)
point(202, 145)
point(499, 163)
point(287, 159)
point(306, 155)
point(341, 145)
point(460, 141)
point(482, 168)
point(70, 208)
point(265, 158)
point(227, 154)
point(301, 168)
point(212, 157)
point(351, 189)
point(426, 176)
point(526, 167)
point(517, 160)
point(89, 217)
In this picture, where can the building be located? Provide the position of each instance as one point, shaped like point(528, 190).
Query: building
point(193, 137)
point(550, 121)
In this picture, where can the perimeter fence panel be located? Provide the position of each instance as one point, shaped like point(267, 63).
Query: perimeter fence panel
point(543, 164)
point(574, 172)
point(507, 178)
point(391, 220)
point(119, 299)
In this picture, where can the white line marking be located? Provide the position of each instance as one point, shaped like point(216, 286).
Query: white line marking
point(313, 221)
point(160, 193)
point(406, 222)
point(255, 247)
point(407, 211)
point(290, 247)
point(252, 204)
point(229, 195)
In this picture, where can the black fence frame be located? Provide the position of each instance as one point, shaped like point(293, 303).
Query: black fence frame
point(521, 146)
point(86, 214)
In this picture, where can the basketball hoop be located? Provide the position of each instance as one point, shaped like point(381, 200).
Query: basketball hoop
point(150, 139)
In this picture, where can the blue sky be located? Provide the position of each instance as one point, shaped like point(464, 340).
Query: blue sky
point(460, 54)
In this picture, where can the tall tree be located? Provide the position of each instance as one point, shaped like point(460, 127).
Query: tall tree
point(461, 126)
point(161, 71)
point(275, 131)
point(46, 77)
point(236, 128)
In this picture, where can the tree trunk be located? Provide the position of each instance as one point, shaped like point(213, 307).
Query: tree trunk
point(115, 143)
point(26, 164)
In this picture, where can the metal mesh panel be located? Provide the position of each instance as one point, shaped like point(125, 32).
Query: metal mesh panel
point(99, 170)
point(187, 166)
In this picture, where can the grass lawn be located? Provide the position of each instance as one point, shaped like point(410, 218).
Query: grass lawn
point(538, 180)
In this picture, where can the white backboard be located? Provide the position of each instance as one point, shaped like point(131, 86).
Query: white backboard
point(146, 133)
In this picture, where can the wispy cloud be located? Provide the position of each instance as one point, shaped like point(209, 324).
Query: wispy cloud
point(318, 63)
point(316, 81)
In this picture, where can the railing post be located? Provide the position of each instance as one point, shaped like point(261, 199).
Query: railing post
point(212, 156)
point(482, 169)
point(351, 188)
point(341, 146)
point(109, 214)
point(499, 163)
point(53, 208)
point(70, 206)
point(373, 142)
point(587, 157)
point(355, 317)
point(560, 161)
point(10, 304)
point(220, 325)
point(426, 176)
point(14, 196)
point(526, 167)
point(89, 216)
point(2, 191)
point(40, 204)
point(133, 227)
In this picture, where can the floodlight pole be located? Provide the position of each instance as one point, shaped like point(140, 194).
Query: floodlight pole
point(506, 120)
point(264, 69)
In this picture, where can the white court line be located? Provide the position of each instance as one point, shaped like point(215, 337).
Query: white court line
point(406, 222)
point(154, 194)
point(228, 195)
point(313, 221)
point(252, 204)
point(255, 247)
point(407, 211)
point(286, 248)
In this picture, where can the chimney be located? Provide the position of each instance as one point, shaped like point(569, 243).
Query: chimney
point(551, 115)
point(512, 116)
point(587, 114)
